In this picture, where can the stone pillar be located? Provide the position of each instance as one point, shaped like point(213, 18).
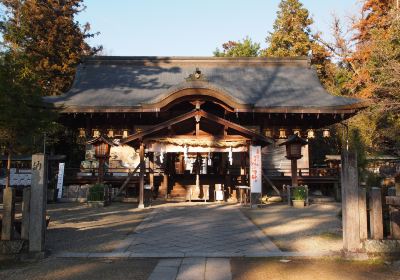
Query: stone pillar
point(294, 172)
point(7, 230)
point(141, 176)
point(26, 202)
point(350, 203)
point(37, 225)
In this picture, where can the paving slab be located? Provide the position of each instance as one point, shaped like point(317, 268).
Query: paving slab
point(196, 231)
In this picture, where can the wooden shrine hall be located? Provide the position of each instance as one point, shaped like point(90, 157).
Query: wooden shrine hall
point(186, 125)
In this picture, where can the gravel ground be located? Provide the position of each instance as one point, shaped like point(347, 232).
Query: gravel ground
point(76, 227)
point(81, 269)
point(311, 229)
point(301, 269)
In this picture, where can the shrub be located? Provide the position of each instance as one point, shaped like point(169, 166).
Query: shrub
point(96, 193)
point(299, 193)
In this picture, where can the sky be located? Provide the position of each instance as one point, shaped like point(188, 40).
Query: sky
point(193, 28)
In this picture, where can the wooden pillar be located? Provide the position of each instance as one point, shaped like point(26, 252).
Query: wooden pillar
point(350, 203)
point(26, 197)
point(165, 184)
point(294, 172)
point(151, 175)
point(7, 230)
point(8, 206)
point(141, 176)
point(394, 222)
point(362, 196)
point(376, 218)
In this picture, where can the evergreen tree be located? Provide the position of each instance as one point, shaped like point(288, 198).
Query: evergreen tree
point(244, 48)
point(292, 33)
point(47, 33)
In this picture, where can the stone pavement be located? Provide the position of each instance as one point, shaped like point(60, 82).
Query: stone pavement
point(192, 268)
point(196, 231)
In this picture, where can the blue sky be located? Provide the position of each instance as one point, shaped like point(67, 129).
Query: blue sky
point(192, 28)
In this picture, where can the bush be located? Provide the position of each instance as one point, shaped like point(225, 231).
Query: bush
point(96, 193)
point(299, 193)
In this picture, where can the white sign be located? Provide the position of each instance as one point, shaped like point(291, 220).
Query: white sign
point(60, 179)
point(255, 169)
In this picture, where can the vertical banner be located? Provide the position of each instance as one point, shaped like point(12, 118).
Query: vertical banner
point(255, 169)
point(60, 179)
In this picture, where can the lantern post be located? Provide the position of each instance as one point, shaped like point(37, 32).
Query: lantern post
point(293, 152)
point(102, 152)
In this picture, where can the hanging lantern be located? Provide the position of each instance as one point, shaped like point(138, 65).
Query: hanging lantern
point(82, 133)
point(282, 133)
point(125, 133)
point(297, 132)
point(268, 133)
point(96, 133)
point(326, 133)
point(310, 134)
point(110, 133)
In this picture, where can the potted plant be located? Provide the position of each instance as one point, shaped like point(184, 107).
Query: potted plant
point(96, 195)
point(299, 196)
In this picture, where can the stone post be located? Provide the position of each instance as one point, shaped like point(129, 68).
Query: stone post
point(255, 175)
point(350, 203)
point(26, 201)
point(37, 225)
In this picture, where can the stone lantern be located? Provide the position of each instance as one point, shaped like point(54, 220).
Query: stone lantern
point(293, 152)
point(102, 152)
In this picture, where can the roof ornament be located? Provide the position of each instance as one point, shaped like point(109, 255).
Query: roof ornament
point(196, 76)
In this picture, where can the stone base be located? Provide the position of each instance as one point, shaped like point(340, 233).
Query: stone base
point(130, 199)
point(13, 247)
point(255, 199)
point(382, 246)
point(96, 204)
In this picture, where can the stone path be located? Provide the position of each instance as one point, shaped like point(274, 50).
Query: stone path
point(192, 268)
point(197, 231)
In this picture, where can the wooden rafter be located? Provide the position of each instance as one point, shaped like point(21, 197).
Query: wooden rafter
point(198, 114)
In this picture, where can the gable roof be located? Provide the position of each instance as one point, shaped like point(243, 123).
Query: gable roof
point(129, 84)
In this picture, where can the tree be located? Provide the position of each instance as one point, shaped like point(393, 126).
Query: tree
point(22, 114)
point(244, 48)
point(292, 33)
point(48, 34)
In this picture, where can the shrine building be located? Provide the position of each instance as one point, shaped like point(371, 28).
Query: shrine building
point(185, 125)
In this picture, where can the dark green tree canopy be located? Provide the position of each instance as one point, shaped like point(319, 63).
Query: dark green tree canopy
point(241, 48)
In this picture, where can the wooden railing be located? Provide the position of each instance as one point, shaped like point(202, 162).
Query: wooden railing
point(303, 172)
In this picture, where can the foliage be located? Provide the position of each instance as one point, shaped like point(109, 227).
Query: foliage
point(46, 32)
point(291, 35)
point(299, 193)
point(244, 48)
point(96, 192)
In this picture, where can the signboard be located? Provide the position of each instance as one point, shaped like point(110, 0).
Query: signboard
point(60, 179)
point(255, 169)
